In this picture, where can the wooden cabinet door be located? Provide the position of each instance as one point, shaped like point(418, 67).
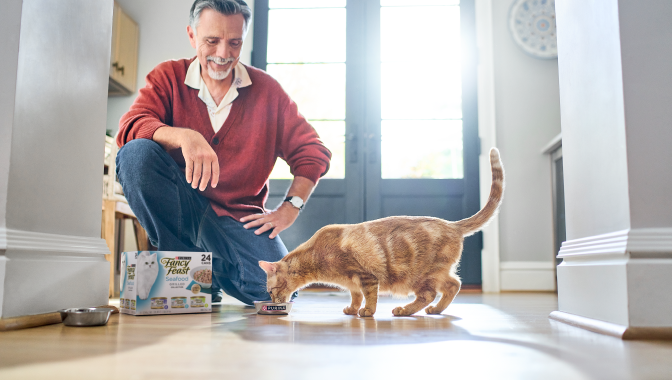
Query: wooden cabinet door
point(124, 57)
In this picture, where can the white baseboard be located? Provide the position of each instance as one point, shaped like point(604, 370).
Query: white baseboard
point(527, 276)
point(42, 273)
point(17, 240)
point(621, 277)
point(639, 242)
point(615, 330)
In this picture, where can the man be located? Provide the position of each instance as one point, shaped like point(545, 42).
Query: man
point(198, 146)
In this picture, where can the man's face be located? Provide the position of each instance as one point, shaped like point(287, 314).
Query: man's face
point(218, 40)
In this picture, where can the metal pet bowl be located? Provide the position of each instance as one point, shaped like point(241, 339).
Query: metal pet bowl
point(92, 316)
point(270, 308)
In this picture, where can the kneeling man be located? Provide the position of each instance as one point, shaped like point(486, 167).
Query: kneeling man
point(198, 146)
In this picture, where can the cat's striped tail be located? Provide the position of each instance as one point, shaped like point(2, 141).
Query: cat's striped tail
point(475, 223)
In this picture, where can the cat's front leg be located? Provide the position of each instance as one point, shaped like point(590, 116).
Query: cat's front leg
point(370, 289)
point(143, 292)
point(357, 298)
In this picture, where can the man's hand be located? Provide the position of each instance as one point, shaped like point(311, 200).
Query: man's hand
point(285, 215)
point(202, 164)
point(278, 220)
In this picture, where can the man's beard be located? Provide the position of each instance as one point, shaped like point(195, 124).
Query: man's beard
point(219, 75)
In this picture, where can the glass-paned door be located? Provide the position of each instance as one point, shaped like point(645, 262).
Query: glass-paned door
point(390, 86)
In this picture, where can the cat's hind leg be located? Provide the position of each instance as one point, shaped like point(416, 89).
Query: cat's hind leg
point(423, 297)
point(369, 285)
point(449, 290)
point(357, 298)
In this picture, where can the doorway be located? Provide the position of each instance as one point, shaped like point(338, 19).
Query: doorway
point(390, 87)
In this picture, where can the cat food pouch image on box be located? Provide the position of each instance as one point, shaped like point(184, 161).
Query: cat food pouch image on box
point(164, 282)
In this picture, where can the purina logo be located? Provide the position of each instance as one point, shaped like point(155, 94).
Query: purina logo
point(182, 258)
point(273, 308)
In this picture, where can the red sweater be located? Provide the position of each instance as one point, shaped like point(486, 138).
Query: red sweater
point(264, 124)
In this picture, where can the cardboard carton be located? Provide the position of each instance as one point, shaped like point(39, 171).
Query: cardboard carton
point(164, 282)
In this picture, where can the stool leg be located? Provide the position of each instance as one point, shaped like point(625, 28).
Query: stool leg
point(108, 235)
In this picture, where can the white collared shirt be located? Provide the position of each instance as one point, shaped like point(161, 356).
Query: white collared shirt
point(217, 113)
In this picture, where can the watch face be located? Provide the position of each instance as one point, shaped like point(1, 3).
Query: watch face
point(296, 202)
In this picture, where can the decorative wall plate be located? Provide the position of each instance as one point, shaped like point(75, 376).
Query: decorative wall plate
point(532, 25)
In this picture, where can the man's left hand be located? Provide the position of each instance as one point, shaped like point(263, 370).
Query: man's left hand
point(276, 220)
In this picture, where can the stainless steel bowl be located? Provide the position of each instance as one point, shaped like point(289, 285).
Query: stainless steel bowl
point(92, 316)
point(270, 308)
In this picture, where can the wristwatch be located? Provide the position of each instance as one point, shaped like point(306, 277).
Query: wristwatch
point(295, 201)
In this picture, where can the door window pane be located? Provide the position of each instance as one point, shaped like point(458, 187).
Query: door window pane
point(306, 3)
point(427, 83)
point(421, 89)
point(421, 149)
point(332, 134)
point(420, 94)
point(428, 37)
point(317, 89)
point(306, 35)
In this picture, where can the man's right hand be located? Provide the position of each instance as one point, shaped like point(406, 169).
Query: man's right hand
point(202, 164)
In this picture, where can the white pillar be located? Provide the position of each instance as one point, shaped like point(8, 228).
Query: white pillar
point(616, 107)
point(53, 74)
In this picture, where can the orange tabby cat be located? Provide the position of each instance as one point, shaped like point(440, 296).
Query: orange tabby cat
point(398, 254)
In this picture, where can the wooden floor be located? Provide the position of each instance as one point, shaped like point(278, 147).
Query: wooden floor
point(507, 336)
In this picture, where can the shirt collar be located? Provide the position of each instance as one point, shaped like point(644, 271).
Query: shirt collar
point(194, 80)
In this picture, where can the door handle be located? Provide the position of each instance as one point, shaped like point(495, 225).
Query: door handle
point(118, 68)
point(352, 140)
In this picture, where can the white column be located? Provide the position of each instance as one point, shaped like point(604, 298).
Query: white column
point(53, 74)
point(615, 80)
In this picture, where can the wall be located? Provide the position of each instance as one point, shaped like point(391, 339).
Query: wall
point(647, 96)
point(615, 93)
point(51, 159)
point(10, 22)
point(163, 36)
point(526, 116)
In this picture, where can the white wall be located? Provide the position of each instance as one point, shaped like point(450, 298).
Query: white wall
point(615, 84)
point(163, 36)
point(10, 22)
point(519, 112)
point(527, 107)
point(52, 144)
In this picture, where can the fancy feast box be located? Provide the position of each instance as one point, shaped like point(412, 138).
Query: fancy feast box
point(163, 282)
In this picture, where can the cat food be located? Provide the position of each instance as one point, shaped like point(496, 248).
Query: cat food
point(204, 276)
point(178, 302)
point(162, 282)
point(159, 303)
point(270, 308)
point(197, 301)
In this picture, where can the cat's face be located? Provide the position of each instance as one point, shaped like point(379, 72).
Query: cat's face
point(279, 283)
point(148, 262)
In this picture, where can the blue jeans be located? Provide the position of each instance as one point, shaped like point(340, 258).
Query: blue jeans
point(178, 218)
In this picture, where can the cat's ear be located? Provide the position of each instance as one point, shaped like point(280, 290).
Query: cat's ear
point(269, 268)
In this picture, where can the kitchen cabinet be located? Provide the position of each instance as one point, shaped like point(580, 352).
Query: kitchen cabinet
point(124, 55)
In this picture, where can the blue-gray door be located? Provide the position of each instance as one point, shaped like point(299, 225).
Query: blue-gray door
point(390, 86)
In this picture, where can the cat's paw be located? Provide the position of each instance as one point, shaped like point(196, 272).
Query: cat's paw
point(364, 312)
point(432, 310)
point(350, 310)
point(400, 312)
